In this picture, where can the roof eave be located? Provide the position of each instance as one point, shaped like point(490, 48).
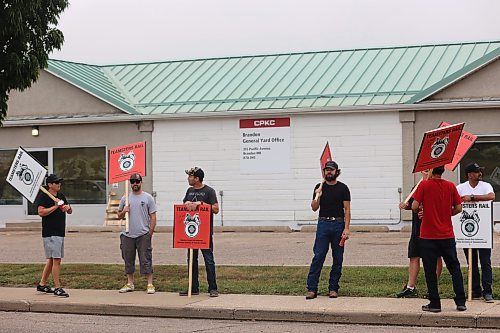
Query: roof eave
point(251, 113)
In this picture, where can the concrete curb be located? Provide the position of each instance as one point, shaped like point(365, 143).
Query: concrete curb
point(234, 313)
point(344, 310)
point(13, 227)
point(353, 228)
point(169, 229)
point(37, 226)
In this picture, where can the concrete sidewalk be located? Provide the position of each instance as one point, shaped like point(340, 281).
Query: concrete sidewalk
point(345, 310)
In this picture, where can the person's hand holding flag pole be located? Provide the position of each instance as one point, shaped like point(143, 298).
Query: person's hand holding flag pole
point(325, 157)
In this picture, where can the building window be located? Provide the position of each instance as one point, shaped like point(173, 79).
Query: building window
point(486, 154)
point(84, 173)
point(8, 195)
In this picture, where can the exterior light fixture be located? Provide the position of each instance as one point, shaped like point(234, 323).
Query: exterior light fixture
point(35, 131)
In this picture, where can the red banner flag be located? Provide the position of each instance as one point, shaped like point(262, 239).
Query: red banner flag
point(325, 157)
point(466, 141)
point(192, 229)
point(126, 160)
point(438, 147)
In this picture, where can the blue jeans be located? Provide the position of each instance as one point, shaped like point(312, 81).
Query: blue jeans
point(487, 276)
point(208, 257)
point(328, 234)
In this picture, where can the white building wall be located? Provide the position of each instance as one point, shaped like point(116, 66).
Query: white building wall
point(367, 147)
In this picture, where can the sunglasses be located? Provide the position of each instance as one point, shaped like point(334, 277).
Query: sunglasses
point(135, 181)
point(58, 182)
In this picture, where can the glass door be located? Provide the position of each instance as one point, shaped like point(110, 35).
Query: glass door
point(41, 156)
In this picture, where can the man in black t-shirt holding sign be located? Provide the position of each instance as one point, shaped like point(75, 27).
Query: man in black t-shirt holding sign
point(53, 216)
point(199, 194)
point(333, 199)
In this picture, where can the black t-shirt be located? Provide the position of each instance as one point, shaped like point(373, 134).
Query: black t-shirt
point(53, 224)
point(331, 203)
point(205, 194)
point(415, 220)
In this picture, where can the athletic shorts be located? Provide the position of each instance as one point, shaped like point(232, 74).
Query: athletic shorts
point(414, 246)
point(141, 245)
point(54, 247)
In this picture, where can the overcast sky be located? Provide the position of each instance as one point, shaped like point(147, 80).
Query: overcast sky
point(126, 31)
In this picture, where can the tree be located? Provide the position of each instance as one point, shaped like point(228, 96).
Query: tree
point(28, 35)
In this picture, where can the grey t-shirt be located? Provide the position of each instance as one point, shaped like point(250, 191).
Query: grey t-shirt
point(141, 205)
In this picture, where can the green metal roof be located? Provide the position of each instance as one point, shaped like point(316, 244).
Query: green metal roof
point(358, 77)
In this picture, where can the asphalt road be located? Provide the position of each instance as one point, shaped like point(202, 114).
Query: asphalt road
point(24, 322)
point(245, 248)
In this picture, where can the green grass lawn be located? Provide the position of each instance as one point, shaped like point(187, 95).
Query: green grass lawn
point(261, 280)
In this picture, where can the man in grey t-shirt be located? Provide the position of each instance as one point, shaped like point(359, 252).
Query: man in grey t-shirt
point(142, 223)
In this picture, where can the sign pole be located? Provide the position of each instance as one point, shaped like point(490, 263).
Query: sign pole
point(44, 190)
point(319, 188)
point(126, 204)
point(429, 176)
point(413, 191)
point(469, 275)
point(190, 277)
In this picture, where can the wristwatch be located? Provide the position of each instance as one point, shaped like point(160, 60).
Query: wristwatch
point(472, 198)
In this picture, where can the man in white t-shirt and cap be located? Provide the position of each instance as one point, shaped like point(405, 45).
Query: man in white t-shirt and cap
point(474, 189)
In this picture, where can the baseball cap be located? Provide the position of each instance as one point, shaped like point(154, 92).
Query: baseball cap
point(473, 167)
point(331, 165)
point(135, 176)
point(52, 178)
point(196, 171)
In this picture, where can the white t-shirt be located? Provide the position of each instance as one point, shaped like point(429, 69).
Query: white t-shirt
point(480, 189)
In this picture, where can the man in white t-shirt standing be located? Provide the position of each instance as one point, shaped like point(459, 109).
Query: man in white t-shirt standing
point(474, 189)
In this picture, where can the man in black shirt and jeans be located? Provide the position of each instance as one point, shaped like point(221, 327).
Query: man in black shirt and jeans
point(53, 231)
point(333, 199)
point(198, 194)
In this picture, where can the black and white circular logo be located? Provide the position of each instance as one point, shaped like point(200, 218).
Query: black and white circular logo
point(192, 225)
point(439, 147)
point(25, 174)
point(126, 162)
point(469, 223)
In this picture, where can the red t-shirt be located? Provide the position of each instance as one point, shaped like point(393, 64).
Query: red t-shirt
point(438, 197)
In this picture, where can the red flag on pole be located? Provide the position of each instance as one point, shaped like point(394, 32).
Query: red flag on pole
point(325, 156)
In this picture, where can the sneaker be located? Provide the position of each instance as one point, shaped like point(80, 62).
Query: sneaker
point(214, 293)
point(60, 292)
point(488, 298)
point(461, 308)
point(150, 289)
point(44, 289)
point(430, 308)
point(333, 294)
point(407, 292)
point(127, 288)
point(311, 295)
point(185, 293)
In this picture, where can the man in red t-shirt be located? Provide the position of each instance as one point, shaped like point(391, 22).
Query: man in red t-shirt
point(441, 201)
